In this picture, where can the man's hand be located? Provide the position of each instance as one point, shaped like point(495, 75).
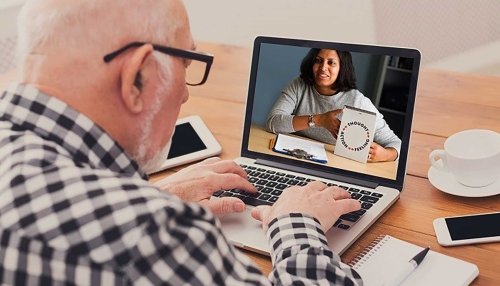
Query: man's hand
point(330, 121)
point(324, 203)
point(198, 182)
point(380, 154)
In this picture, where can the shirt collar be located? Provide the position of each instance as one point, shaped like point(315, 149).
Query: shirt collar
point(54, 120)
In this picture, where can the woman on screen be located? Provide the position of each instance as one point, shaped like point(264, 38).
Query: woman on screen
point(312, 103)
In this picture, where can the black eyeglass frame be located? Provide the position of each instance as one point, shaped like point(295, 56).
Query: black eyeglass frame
point(190, 55)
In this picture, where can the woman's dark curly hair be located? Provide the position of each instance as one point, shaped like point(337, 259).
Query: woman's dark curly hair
point(346, 79)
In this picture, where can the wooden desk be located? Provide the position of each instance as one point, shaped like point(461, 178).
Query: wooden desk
point(446, 103)
point(259, 141)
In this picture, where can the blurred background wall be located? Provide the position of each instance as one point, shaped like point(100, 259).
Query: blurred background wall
point(458, 35)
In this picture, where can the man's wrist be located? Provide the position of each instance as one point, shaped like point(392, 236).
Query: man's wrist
point(295, 230)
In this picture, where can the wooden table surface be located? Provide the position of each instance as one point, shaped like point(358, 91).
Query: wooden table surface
point(446, 103)
point(259, 141)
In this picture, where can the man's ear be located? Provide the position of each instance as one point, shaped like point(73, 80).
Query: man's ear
point(132, 80)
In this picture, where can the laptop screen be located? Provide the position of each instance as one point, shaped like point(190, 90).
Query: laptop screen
point(297, 100)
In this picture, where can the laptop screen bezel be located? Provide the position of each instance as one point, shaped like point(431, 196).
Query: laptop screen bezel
point(359, 48)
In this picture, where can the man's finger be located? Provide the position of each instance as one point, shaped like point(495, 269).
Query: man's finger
point(222, 206)
point(337, 193)
point(347, 205)
point(258, 212)
point(209, 161)
point(228, 166)
point(216, 182)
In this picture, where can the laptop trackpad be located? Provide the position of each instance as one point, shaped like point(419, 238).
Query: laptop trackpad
point(246, 232)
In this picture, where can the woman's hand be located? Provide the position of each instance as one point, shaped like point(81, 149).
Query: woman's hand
point(380, 154)
point(330, 121)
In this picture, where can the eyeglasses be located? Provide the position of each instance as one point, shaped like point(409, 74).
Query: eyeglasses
point(197, 70)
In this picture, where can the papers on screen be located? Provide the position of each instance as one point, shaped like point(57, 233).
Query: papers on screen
point(355, 134)
point(300, 148)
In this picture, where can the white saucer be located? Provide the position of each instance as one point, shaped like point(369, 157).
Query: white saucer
point(444, 181)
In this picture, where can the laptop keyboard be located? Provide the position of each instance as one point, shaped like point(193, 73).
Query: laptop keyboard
point(270, 185)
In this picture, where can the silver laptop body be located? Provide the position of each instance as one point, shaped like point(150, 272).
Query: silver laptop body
point(386, 75)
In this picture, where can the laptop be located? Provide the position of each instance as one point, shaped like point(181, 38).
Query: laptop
point(385, 75)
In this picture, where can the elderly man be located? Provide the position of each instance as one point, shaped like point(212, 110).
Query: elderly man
point(102, 82)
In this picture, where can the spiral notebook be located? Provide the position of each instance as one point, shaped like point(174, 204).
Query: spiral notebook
point(386, 256)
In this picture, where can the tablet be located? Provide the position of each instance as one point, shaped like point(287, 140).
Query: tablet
point(192, 141)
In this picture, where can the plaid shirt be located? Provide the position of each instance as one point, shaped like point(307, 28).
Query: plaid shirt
point(75, 209)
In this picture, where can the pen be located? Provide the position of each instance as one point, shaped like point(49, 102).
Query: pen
point(409, 267)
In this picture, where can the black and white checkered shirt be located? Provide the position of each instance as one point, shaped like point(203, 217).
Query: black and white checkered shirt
point(75, 209)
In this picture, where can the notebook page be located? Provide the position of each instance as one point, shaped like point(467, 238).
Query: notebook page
point(388, 257)
point(314, 148)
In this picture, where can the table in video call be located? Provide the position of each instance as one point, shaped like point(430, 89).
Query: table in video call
point(447, 102)
point(259, 141)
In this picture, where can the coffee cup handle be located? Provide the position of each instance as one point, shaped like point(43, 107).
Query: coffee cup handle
point(436, 156)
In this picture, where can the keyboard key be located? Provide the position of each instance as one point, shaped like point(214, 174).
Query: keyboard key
point(259, 187)
point(262, 182)
point(254, 174)
point(276, 192)
point(253, 180)
point(365, 192)
point(293, 182)
point(369, 199)
point(331, 184)
point(264, 197)
point(377, 195)
point(252, 195)
point(354, 190)
point(267, 190)
point(344, 187)
point(255, 202)
point(350, 217)
point(251, 168)
point(300, 178)
point(366, 206)
point(243, 166)
point(282, 180)
point(343, 226)
point(309, 180)
point(356, 196)
point(281, 186)
point(303, 183)
point(226, 194)
point(280, 174)
point(273, 178)
point(359, 212)
point(218, 193)
point(271, 184)
point(337, 222)
point(270, 172)
point(264, 175)
point(261, 170)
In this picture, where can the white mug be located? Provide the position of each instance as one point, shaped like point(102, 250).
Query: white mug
point(472, 156)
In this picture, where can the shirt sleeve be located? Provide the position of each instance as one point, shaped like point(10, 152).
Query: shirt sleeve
point(384, 136)
point(279, 119)
point(191, 249)
point(301, 255)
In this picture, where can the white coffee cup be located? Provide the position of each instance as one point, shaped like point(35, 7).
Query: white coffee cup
point(472, 156)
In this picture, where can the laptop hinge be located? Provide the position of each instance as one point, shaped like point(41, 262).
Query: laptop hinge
point(316, 173)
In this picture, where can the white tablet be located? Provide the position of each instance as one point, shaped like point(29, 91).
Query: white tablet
point(192, 141)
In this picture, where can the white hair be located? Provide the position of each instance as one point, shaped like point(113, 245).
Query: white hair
point(56, 26)
point(140, 155)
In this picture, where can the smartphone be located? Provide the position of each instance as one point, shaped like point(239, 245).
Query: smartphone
point(191, 141)
point(468, 229)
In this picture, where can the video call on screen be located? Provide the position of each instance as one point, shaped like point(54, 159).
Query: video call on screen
point(384, 79)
